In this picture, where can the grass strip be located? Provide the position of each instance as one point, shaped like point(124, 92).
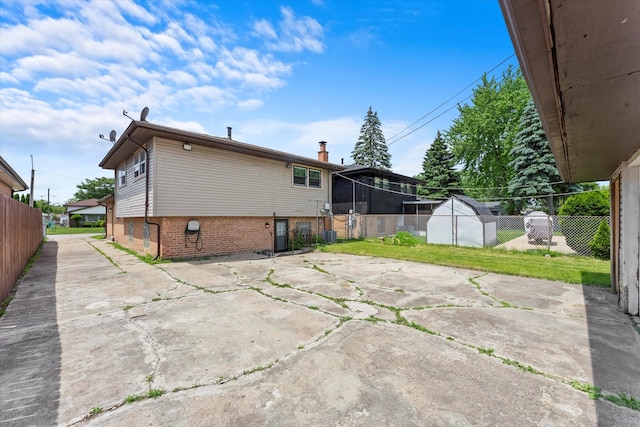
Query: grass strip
point(538, 264)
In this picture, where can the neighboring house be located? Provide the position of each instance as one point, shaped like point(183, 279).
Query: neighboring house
point(583, 75)
point(463, 221)
point(183, 194)
point(10, 181)
point(366, 190)
point(90, 210)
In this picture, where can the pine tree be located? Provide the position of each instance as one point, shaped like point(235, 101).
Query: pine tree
point(533, 163)
point(438, 171)
point(371, 149)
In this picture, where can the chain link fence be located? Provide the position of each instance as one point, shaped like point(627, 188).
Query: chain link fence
point(565, 234)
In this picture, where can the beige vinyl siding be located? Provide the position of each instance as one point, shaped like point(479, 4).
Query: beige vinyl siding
point(130, 198)
point(211, 182)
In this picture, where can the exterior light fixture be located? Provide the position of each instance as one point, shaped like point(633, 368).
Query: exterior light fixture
point(267, 225)
point(186, 147)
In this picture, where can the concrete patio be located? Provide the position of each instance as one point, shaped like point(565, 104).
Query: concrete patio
point(310, 339)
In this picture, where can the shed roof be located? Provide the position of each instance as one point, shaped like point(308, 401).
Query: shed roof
point(482, 212)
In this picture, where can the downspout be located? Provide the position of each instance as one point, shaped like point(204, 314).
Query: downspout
point(146, 194)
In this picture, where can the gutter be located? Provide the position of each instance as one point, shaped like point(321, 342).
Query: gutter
point(146, 194)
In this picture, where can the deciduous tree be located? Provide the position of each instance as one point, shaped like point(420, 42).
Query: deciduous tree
point(483, 135)
point(94, 188)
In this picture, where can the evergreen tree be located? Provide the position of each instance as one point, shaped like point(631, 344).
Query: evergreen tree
point(438, 171)
point(534, 166)
point(371, 149)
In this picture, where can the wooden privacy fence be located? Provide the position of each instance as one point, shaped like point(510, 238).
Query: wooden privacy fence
point(21, 232)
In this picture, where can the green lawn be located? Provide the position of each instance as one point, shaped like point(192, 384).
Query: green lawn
point(554, 266)
point(75, 230)
point(506, 235)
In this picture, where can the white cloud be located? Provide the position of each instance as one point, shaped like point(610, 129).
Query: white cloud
point(264, 29)
point(250, 104)
point(182, 78)
point(296, 34)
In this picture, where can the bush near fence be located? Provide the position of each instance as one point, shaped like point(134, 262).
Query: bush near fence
point(21, 232)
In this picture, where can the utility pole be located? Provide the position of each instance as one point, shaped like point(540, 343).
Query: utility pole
point(32, 178)
point(49, 203)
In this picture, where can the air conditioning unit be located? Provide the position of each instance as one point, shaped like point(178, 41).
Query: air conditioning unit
point(330, 236)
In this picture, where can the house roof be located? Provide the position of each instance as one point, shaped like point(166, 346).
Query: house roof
point(355, 169)
point(105, 199)
point(141, 132)
point(10, 177)
point(581, 61)
point(83, 203)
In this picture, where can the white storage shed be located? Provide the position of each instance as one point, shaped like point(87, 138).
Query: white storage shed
point(463, 221)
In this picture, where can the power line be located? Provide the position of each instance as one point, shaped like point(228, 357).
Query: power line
point(444, 103)
point(490, 199)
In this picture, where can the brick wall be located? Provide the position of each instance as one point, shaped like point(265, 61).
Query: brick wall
point(6, 190)
point(218, 235)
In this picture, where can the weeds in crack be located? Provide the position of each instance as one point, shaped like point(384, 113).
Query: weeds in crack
point(522, 367)
point(260, 368)
point(593, 391)
point(624, 400)
point(95, 411)
point(133, 398)
point(373, 319)
point(148, 258)
point(321, 270)
point(156, 392)
point(272, 282)
point(101, 252)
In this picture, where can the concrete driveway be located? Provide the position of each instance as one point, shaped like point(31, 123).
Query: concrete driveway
point(313, 339)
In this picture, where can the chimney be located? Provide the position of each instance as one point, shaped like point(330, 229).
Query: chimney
point(229, 132)
point(323, 154)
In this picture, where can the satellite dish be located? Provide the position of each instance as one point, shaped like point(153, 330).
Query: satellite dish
point(144, 114)
point(112, 136)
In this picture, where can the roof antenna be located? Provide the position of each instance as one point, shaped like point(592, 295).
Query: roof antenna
point(112, 136)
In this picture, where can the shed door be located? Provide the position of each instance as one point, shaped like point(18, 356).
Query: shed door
point(282, 228)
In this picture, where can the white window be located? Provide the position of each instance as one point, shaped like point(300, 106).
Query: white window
point(299, 176)
point(315, 178)
point(122, 175)
point(140, 164)
point(307, 177)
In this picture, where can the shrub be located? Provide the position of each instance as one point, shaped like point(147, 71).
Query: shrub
point(402, 238)
point(601, 243)
point(580, 229)
point(100, 223)
point(593, 203)
point(89, 224)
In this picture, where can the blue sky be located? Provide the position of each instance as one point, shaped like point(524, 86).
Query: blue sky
point(284, 75)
